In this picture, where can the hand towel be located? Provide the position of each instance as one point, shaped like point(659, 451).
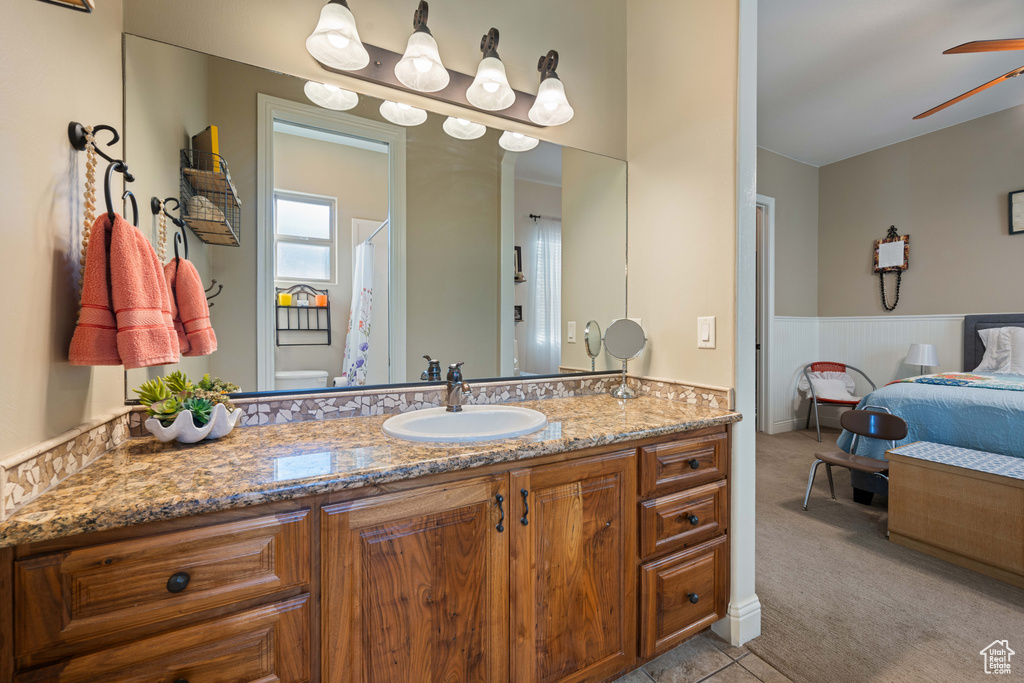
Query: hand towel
point(126, 312)
point(190, 311)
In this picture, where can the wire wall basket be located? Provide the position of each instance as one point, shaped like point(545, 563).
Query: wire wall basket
point(209, 201)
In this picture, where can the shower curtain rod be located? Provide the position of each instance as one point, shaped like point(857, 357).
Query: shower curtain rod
point(379, 228)
point(535, 216)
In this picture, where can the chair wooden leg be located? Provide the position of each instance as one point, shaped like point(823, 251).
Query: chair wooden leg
point(810, 481)
point(831, 486)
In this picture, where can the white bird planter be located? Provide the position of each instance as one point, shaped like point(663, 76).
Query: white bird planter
point(185, 430)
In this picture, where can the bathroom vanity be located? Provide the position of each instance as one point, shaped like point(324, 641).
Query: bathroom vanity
point(324, 550)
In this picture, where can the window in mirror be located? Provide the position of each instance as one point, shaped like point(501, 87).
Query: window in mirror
point(304, 237)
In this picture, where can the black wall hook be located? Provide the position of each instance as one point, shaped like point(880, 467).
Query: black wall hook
point(135, 206)
point(156, 206)
point(122, 168)
point(76, 133)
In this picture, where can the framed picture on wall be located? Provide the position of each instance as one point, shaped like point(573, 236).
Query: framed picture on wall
point(518, 313)
point(1017, 212)
point(518, 265)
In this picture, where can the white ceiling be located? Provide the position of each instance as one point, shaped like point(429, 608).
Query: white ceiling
point(837, 78)
point(542, 164)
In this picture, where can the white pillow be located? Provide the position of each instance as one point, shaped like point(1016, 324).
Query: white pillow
point(1016, 351)
point(834, 389)
point(997, 349)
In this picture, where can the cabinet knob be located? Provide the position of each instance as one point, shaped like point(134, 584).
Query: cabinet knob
point(178, 582)
point(694, 598)
point(694, 464)
point(693, 519)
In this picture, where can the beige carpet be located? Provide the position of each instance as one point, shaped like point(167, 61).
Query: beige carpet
point(842, 603)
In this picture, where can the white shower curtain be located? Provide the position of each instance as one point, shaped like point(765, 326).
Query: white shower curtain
point(544, 310)
point(357, 342)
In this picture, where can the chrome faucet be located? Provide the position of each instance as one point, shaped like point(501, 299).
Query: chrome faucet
point(433, 371)
point(455, 388)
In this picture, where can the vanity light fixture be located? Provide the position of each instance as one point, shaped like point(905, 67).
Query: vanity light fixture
point(402, 114)
point(517, 142)
point(463, 129)
point(420, 68)
point(335, 40)
point(330, 96)
point(490, 89)
point(551, 108)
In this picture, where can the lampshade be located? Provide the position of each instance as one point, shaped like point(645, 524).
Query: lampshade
point(490, 89)
point(517, 142)
point(551, 107)
point(330, 96)
point(335, 40)
point(463, 129)
point(402, 114)
point(420, 68)
point(922, 354)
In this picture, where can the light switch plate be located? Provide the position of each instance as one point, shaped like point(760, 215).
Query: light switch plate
point(706, 332)
point(571, 334)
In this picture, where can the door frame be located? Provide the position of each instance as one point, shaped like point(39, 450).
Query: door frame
point(766, 314)
point(270, 109)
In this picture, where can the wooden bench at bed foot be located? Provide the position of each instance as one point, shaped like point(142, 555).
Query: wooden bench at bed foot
point(960, 505)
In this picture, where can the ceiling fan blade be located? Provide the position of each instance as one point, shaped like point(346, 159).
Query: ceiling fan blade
point(986, 86)
point(986, 46)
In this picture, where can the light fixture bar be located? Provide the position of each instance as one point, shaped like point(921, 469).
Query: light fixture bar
point(381, 70)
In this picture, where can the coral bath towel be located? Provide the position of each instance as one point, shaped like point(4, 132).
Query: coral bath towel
point(189, 309)
point(126, 311)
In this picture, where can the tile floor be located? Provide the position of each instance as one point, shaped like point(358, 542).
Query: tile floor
point(706, 658)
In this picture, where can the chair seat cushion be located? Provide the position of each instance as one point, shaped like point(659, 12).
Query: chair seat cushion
point(854, 462)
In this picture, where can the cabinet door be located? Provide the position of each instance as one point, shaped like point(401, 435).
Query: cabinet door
point(573, 569)
point(415, 585)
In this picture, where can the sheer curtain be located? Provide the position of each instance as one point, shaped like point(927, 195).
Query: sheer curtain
point(544, 312)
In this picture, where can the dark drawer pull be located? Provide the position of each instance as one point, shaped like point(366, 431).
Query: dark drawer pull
point(693, 519)
point(694, 598)
point(526, 506)
point(501, 522)
point(180, 680)
point(694, 464)
point(178, 582)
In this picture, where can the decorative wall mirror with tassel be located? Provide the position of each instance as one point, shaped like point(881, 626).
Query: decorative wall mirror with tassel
point(892, 255)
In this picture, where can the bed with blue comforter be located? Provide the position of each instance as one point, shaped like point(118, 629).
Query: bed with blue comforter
point(981, 411)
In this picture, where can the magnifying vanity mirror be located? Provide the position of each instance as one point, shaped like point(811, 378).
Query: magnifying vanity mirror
point(360, 245)
point(625, 340)
point(592, 342)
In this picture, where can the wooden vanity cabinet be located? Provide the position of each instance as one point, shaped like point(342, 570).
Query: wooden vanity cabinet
point(567, 568)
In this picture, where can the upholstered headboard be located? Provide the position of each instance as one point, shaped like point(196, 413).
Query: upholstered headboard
point(974, 348)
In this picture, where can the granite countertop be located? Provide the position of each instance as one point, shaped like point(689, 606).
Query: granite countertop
point(144, 481)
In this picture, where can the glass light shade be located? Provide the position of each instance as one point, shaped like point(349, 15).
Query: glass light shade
point(490, 89)
point(551, 108)
point(330, 96)
point(335, 40)
point(517, 142)
point(463, 129)
point(420, 68)
point(402, 114)
point(923, 354)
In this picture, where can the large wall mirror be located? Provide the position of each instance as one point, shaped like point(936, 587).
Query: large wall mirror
point(422, 243)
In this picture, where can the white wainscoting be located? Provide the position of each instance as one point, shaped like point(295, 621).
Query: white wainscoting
point(875, 344)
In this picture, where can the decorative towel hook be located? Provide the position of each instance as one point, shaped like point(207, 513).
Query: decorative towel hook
point(76, 133)
point(128, 194)
point(220, 288)
point(120, 167)
point(157, 207)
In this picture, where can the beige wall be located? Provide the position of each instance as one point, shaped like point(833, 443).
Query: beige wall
point(794, 186)
point(593, 250)
point(57, 66)
point(588, 34)
point(948, 191)
point(682, 183)
point(166, 91)
point(358, 179)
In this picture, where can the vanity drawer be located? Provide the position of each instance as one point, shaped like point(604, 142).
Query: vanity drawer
point(109, 591)
point(682, 594)
point(266, 644)
point(674, 465)
point(683, 519)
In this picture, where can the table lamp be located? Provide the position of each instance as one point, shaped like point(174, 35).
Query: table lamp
point(923, 355)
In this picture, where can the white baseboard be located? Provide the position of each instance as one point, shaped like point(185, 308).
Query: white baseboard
point(742, 622)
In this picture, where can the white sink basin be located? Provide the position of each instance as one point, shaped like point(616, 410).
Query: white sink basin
point(472, 423)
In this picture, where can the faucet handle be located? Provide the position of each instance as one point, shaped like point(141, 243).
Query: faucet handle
point(433, 371)
point(455, 371)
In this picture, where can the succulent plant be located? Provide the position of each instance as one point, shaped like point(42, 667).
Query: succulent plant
point(166, 411)
point(201, 408)
point(178, 383)
point(152, 392)
point(216, 385)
